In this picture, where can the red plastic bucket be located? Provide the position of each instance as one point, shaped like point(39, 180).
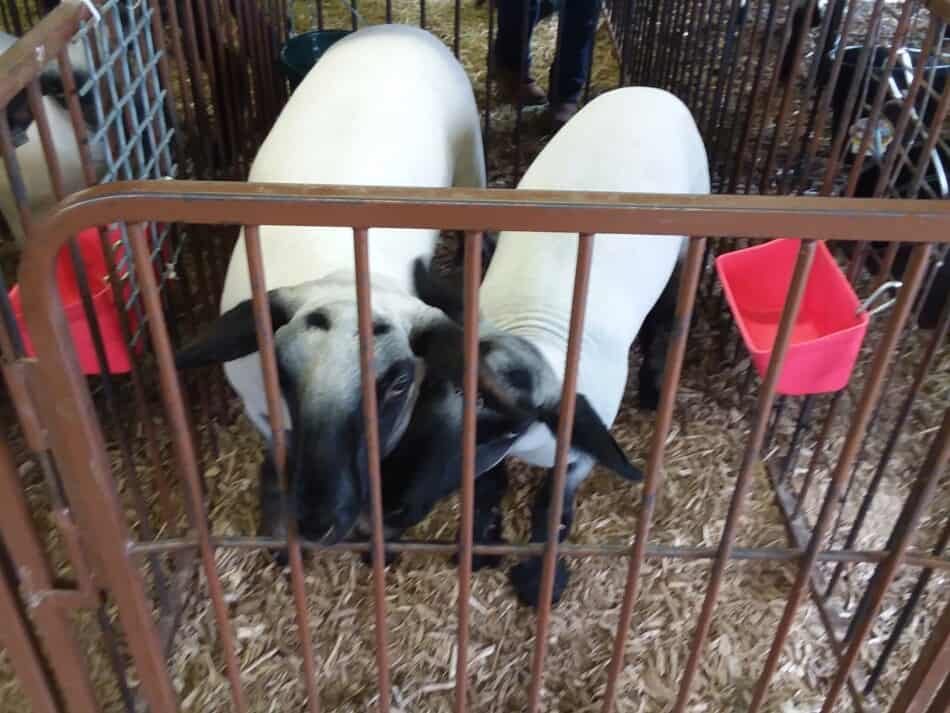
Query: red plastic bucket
point(830, 326)
point(107, 315)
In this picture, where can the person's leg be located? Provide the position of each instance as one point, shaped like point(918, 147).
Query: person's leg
point(513, 50)
point(569, 71)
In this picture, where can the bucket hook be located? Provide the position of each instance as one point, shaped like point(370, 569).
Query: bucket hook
point(866, 305)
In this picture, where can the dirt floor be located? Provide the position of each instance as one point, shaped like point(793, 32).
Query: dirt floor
point(703, 453)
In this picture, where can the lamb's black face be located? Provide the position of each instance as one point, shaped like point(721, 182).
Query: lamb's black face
point(426, 466)
point(318, 353)
point(318, 356)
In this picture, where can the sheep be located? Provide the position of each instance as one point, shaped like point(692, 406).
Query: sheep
point(29, 148)
point(387, 105)
point(635, 139)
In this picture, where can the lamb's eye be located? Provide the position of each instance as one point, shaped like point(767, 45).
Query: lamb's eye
point(399, 386)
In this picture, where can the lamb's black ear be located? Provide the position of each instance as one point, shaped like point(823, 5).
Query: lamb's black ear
point(232, 335)
point(591, 436)
point(437, 291)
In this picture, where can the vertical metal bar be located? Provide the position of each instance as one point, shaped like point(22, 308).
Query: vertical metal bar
point(490, 65)
point(371, 424)
point(878, 104)
point(900, 540)
point(208, 132)
point(524, 49)
point(585, 251)
point(21, 645)
point(941, 701)
point(457, 31)
point(275, 415)
point(906, 613)
point(931, 666)
point(654, 478)
point(473, 272)
point(14, 176)
point(804, 417)
point(793, 301)
point(923, 369)
point(745, 135)
point(185, 452)
point(789, 92)
point(626, 16)
point(779, 411)
point(21, 540)
point(848, 453)
point(89, 176)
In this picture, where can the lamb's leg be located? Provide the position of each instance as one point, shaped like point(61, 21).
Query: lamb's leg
point(526, 576)
point(273, 518)
point(490, 488)
point(655, 337)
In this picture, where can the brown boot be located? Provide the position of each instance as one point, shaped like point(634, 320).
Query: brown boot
point(509, 87)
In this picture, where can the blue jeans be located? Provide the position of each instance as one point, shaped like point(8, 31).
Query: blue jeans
point(569, 71)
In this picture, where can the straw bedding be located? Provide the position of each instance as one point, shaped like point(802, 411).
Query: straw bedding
point(703, 453)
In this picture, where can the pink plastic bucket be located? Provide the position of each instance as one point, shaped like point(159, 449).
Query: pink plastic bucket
point(830, 326)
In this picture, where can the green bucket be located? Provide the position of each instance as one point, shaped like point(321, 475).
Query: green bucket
point(300, 53)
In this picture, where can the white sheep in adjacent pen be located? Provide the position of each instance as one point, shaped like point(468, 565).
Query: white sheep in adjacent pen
point(632, 140)
point(386, 106)
point(30, 156)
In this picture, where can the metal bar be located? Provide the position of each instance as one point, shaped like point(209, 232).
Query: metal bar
point(941, 701)
point(841, 133)
point(746, 133)
point(848, 453)
point(907, 613)
point(778, 554)
point(52, 622)
point(228, 202)
point(92, 317)
point(920, 376)
point(824, 103)
point(789, 91)
point(524, 49)
point(489, 73)
point(804, 418)
point(585, 251)
point(831, 616)
point(917, 504)
point(473, 272)
point(457, 29)
point(793, 300)
point(931, 666)
point(22, 647)
point(185, 452)
point(275, 415)
point(882, 91)
point(371, 424)
point(654, 477)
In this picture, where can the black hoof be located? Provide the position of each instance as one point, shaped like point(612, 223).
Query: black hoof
point(526, 579)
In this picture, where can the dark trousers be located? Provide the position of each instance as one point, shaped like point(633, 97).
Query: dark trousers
point(569, 71)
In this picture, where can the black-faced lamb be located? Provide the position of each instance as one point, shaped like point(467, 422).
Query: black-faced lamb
point(629, 140)
point(387, 105)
